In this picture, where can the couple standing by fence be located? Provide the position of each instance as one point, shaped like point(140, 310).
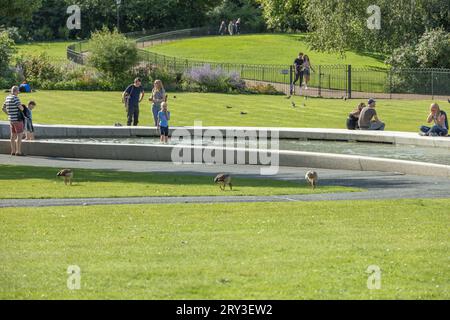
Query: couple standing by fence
point(302, 69)
point(134, 94)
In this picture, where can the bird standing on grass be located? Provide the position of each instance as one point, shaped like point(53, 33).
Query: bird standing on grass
point(224, 180)
point(312, 179)
point(67, 174)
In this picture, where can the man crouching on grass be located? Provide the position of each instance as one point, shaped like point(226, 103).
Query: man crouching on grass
point(13, 108)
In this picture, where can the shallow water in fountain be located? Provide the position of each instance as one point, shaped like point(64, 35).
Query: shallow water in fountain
point(399, 152)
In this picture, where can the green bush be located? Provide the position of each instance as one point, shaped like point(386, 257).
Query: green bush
point(112, 53)
point(8, 79)
point(7, 50)
point(43, 34)
point(170, 79)
point(264, 89)
point(206, 79)
point(431, 51)
point(38, 69)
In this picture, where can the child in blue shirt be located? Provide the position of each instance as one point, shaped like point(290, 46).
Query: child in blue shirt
point(163, 122)
point(29, 128)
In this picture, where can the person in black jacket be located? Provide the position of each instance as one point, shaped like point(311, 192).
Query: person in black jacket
point(353, 117)
point(298, 70)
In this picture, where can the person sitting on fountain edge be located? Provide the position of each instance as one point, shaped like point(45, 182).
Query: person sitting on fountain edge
point(368, 119)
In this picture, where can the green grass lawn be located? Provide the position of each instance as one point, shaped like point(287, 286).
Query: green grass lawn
point(31, 183)
point(278, 49)
point(317, 250)
point(55, 50)
point(105, 108)
point(281, 50)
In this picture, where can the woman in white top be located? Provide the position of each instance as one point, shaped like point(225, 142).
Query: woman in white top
point(307, 67)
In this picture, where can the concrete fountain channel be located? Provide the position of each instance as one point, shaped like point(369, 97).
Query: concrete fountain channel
point(311, 148)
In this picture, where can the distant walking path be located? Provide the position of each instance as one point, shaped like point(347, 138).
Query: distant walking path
point(379, 185)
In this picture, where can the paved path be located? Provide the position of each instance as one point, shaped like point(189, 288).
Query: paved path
point(379, 185)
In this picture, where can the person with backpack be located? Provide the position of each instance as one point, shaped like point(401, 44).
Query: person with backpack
point(131, 97)
point(439, 117)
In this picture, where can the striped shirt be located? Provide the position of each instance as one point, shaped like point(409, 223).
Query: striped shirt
point(12, 104)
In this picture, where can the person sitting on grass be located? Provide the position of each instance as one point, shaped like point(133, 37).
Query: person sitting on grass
point(353, 117)
point(25, 87)
point(439, 117)
point(29, 128)
point(13, 108)
point(163, 122)
point(368, 119)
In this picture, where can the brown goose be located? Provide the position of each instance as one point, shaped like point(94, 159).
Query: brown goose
point(224, 180)
point(67, 174)
point(312, 178)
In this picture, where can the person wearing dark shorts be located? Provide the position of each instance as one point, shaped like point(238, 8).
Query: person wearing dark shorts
point(132, 96)
point(163, 122)
point(13, 108)
point(298, 69)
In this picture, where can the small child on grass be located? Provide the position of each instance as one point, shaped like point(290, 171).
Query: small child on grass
point(163, 122)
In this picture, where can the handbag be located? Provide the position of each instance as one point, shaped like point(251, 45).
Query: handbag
point(127, 100)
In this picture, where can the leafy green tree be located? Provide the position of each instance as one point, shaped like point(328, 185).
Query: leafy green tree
point(11, 10)
point(112, 53)
point(339, 25)
point(249, 11)
point(285, 15)
point(7, 50)
point(432, 51)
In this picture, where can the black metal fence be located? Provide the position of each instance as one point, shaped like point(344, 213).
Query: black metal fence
point(335, 81)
